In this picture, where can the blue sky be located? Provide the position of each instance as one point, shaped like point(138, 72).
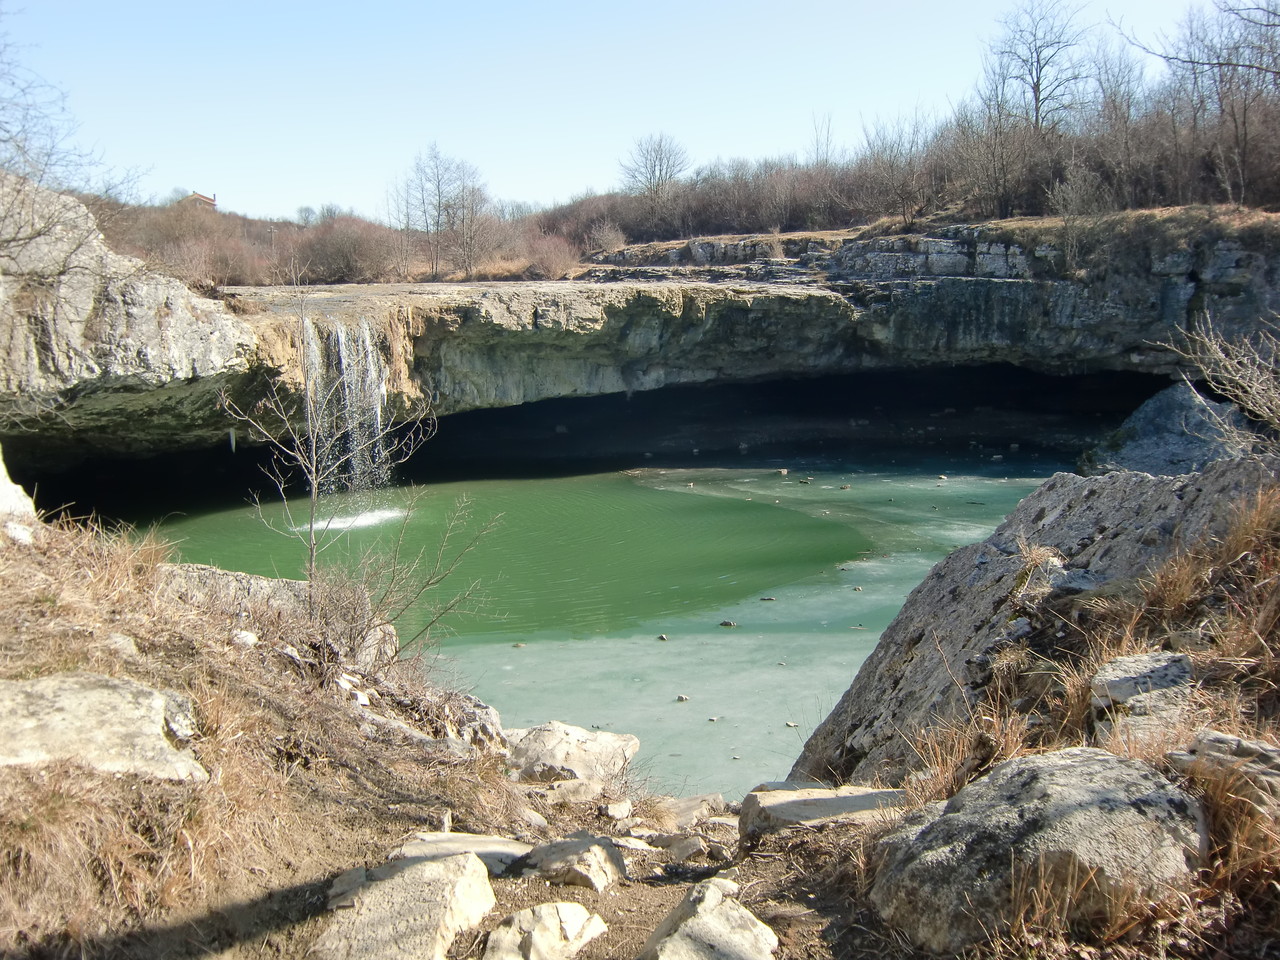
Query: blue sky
point(277, 104)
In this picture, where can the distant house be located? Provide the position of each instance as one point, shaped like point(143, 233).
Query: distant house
point(200, 198)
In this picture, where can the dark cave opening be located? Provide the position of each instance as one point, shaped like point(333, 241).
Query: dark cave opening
point(957, 408)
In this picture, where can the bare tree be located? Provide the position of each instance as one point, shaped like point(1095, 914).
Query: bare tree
point(1244, 369)
point(431, 190)
point(1040, 52)
point(654, 165)
point(652, 171)
point(892, 166)
point(472, 232)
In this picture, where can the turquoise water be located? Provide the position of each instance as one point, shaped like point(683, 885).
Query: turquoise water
point(581, 575)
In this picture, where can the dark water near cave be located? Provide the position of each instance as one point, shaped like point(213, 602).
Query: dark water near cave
point(582, 573)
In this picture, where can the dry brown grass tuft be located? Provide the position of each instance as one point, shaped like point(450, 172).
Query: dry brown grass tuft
point(951, 755)
point(300, 786)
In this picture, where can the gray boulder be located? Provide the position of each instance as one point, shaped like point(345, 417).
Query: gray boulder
point(111, 724)
point(1175, 432)
point(551, 931)
point(708, 924)
point(407, 909)
point(580, 861)
point(559, 751)
point(1095, 832)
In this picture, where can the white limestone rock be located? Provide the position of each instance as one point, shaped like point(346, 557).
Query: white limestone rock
point(1137, 699)
point(550, 931)
point(1097, 829)
point(616, 811)
point(686, 848)
point(497, 853)
point(771, 810)
point(1251, 768)
point(708, 924)
point(15, 505)
point(686, 812)
point(111, 724)
point(408, 909)
point(580, 861)
point(559, 751)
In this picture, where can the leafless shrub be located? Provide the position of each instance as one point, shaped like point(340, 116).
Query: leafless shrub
point(552, 256)
point(1246, 370)
point(606, 236)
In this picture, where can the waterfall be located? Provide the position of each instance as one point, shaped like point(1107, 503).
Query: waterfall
point(346, 394)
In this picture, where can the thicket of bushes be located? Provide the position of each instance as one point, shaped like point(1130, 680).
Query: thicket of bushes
point(1065, 122)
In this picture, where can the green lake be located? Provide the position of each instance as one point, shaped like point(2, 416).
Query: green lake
point(580, 575)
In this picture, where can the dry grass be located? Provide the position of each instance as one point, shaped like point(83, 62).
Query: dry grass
point(297, 792)
point(1218, 601)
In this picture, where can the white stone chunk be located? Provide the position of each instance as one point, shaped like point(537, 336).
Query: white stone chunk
point(408, 909)
point(497, 853)
point(777, 809)
point(584, 861)
point(551, 931)
point(686, 812)
point(559, 751)
point(710, 925)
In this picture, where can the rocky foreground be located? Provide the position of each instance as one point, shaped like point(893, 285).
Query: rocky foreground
point(1064, 745)
point(1008, 768)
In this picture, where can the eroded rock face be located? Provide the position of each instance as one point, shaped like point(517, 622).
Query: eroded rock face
point(1110, 834)
point(1097, 529)
point(141, 360)
point(143, 357)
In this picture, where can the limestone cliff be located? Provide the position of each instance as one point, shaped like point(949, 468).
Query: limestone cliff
point(95, 348)
point(100, 354)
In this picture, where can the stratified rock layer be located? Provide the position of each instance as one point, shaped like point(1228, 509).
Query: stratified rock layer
point(134, 362)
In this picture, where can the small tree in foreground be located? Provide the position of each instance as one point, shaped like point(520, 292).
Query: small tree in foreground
point(308, 439)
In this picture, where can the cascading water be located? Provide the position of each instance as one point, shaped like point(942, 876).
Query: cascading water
point(346, 393)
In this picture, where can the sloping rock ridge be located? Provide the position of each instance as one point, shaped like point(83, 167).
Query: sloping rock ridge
point(97, 346)
point(933, 660)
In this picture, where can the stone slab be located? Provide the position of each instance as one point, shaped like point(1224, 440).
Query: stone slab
point(774, 810)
